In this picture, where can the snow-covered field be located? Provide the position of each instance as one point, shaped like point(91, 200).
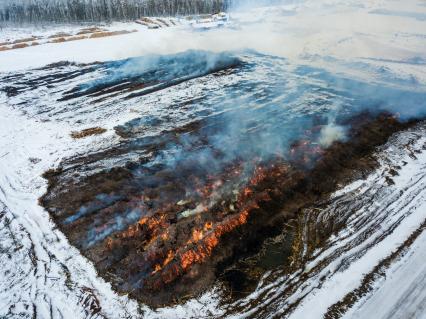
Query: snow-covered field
point(373, 268)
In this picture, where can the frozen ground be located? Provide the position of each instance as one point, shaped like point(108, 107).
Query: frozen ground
point(374, 268)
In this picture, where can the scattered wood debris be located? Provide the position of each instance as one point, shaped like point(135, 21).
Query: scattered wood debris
point(60, 37)
point(88, 132)
point(157, 23)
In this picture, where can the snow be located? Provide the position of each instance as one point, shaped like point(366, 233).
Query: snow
point(384, 41)
point(402, 294)
point(412, 208)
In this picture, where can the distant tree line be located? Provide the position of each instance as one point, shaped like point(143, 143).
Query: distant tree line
point(66, 11)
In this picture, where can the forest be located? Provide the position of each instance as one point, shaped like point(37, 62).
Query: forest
point(18, 12)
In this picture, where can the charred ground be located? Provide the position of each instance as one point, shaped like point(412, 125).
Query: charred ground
point(163, 257)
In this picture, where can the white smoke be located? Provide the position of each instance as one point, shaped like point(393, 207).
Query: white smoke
point(331, 133)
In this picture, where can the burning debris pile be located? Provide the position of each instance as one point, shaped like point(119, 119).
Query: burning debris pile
point(183, 223)
point(204, 176)
point(185, 216)
point(158, 225)
point(174, 240)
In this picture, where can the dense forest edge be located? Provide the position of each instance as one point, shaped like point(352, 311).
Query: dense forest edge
point(15, 12)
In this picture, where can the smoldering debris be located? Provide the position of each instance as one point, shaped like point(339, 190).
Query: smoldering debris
point(167, 254)
point(145, 75)
point(233, 146)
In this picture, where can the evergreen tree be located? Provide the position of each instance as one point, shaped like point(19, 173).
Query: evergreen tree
point(65, 11)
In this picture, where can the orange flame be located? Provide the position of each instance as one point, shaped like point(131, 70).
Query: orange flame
point(157, 268)
point(164, 236)
point(204, 249)
point(197, 235)
point(169, 258)
point(208, 226)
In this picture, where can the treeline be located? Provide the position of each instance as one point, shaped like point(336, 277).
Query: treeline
point(68, 11)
